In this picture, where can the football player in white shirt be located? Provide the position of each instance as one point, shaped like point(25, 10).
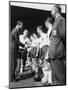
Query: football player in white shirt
point(48, 24)
point(34, 49)
point(43, 46)
point(34, 40)
point(43, 37)
point(47, 67)
point(25, 40)
point(44, 43)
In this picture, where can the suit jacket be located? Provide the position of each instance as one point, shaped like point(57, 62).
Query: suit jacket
point(14, 35)
point(56, 49)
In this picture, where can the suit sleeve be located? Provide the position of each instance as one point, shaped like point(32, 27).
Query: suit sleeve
point(62, 30)
point(17, 40)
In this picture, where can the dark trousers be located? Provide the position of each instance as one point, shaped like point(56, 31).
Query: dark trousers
point(24, 57)
point(58, 71)
point(13, 62)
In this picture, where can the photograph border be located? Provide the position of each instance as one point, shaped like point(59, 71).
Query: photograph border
point(9, 40)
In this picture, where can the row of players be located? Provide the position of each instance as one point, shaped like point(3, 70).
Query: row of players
point(37, 50)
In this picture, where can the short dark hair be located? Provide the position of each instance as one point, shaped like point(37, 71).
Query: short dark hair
point(49, 19)
point(19, 23)
point(58, 8)
point(40, 27)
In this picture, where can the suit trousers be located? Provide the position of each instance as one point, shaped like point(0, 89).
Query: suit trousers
point(58, 71)
point(13, 62)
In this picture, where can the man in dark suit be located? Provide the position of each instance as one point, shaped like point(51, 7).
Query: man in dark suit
point(14, 48)
point(57, 48)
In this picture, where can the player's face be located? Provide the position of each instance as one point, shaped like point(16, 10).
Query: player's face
point(46, 24)
point(35, 36)
point(25, 32)
point(38, 31)
point(31, 38)
point(20, 26)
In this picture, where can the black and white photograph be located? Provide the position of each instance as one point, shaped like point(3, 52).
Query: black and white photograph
point(37, 44)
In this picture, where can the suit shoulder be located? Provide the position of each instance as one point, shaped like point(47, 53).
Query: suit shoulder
point(13, 31)
point(62, 18)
